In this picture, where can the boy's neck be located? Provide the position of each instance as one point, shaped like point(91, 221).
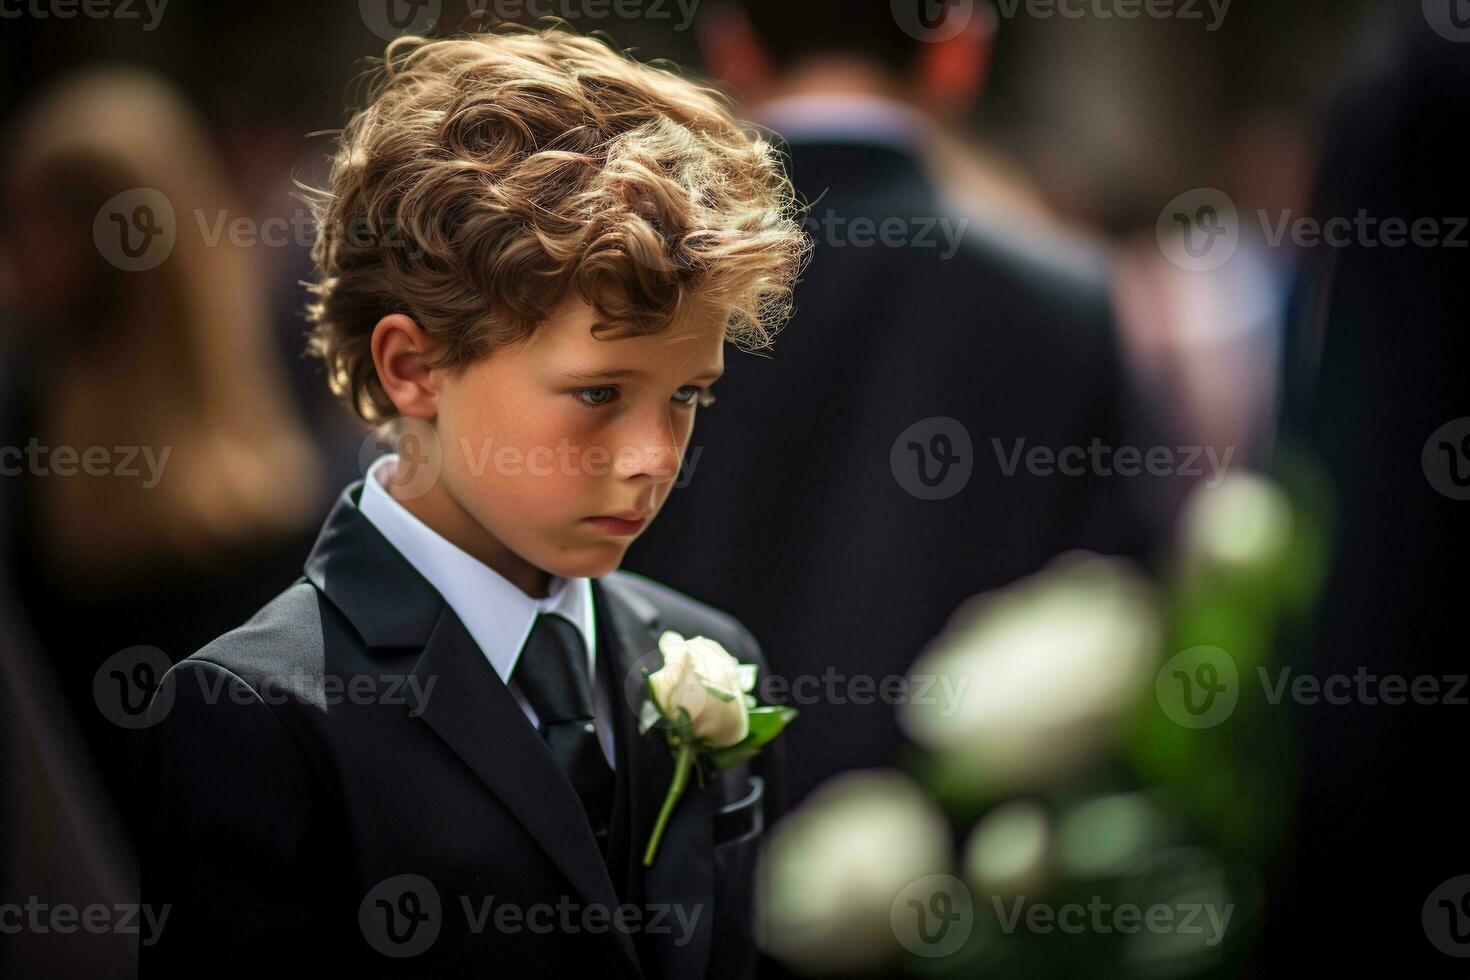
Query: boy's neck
point(445, 517)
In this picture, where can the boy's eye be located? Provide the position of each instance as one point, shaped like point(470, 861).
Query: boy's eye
point(690, 394)
point(594, 397)
point(606, 394)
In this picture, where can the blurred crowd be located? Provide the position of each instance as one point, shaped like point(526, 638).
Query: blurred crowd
point(1015, 221)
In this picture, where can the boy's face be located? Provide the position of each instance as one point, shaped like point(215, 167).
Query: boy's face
point(543, 438)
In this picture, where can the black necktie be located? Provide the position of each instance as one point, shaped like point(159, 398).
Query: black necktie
point(552, 674)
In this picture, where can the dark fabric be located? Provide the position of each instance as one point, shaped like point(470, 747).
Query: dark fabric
point(552, 674)
point(292, 824)
point(1379, 366)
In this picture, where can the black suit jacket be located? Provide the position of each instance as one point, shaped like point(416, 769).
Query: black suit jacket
point(297, 823)
point(1377, 367)
point(822, 552)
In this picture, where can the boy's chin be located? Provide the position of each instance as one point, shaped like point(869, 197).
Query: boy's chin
point(591, 562)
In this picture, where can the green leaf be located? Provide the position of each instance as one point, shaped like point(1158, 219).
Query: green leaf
point(766, 722)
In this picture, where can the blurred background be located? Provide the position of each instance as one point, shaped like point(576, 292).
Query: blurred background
point(1085, 227)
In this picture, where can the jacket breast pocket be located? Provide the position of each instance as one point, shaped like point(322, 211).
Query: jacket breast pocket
point(739, 825)
point(743, 818)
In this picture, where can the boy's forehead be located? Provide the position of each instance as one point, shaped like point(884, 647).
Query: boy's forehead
point(674, 349)
point(693, 343)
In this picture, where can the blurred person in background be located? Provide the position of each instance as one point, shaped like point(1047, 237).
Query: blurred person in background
point(1377, 390)
point(1121, 118)
point(1204, 332)
point(893, 419)
point(157, 487)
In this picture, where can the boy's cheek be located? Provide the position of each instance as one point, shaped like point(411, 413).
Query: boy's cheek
point(549, 500)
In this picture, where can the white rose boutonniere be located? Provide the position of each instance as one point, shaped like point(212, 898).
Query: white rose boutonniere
point(701, 695)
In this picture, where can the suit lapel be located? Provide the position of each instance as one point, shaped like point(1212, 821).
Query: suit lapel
point(471, 709)
point(475, 714)
point(682, 877)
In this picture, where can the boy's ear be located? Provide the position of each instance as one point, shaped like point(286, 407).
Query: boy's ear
point(402, 354)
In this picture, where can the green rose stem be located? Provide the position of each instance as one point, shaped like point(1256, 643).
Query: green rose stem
point(683, 762)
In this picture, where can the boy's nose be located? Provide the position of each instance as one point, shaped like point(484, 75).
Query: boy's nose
point(649, 449)
point(658, 461)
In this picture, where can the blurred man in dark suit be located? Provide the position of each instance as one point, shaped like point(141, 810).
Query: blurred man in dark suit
point(1378, 361)
point(942, 415)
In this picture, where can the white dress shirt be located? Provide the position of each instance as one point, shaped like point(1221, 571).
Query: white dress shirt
point(495, 612)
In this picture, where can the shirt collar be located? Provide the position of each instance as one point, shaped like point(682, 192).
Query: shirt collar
point(497, 614)
point(847, 118)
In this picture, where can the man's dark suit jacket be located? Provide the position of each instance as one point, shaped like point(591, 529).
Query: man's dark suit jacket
point(787, 478)
point(287, 809)
point(1378, 366)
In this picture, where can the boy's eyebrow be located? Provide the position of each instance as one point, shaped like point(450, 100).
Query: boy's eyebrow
point(712, 375)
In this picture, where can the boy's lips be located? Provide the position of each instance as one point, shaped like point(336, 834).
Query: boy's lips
point(627, 515)
point(621, 522)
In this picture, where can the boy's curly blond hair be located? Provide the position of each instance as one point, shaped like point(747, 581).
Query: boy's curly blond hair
point(491, 174)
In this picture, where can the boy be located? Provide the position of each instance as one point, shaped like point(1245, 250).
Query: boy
point(424, 757)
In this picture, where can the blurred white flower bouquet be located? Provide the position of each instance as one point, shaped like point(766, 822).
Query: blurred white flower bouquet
point(1106, 794)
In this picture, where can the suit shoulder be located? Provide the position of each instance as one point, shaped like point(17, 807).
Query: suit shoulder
point(689, 616)
point(285, 637)
point(1051, 262)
